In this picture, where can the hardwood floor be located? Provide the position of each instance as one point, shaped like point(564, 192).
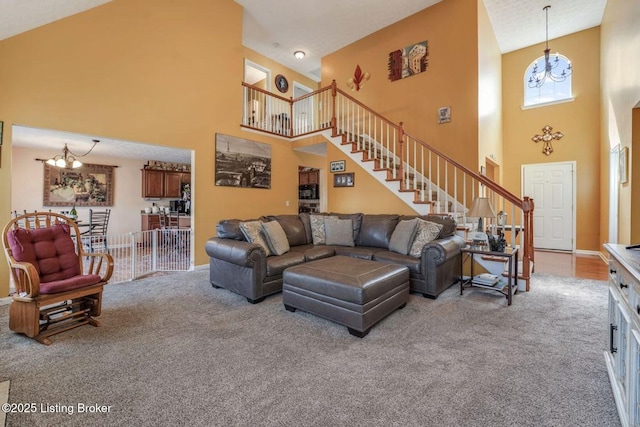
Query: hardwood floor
point(567, 264)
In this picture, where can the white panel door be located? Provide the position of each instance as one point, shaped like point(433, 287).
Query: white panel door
point(550, 186)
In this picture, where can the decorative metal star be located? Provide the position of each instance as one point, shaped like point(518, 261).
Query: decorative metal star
point(547, 137)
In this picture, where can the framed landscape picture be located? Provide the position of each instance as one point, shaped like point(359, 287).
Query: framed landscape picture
point(242, 163)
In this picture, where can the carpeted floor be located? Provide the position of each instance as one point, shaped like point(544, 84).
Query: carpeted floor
point(174, 351)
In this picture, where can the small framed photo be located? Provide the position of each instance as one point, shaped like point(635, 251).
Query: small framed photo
point(343, 180)
point(337, 166)
point(444, 115)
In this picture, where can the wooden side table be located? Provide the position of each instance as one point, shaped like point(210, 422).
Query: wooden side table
point(510, 282)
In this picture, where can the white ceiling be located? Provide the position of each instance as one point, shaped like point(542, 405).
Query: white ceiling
point(277, 28)
point(53, 142)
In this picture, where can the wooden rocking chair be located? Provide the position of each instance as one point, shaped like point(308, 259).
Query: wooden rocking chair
point(53, 293)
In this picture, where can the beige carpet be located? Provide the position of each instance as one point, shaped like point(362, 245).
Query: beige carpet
point(174, 351)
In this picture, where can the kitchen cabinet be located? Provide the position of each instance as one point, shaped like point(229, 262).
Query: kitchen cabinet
point(623, 356)
point(311, 177)
point(160, 183)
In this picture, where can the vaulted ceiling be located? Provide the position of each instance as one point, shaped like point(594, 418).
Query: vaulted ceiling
point(277, 28)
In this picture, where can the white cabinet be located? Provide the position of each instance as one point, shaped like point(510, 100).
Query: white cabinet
point(623, 330)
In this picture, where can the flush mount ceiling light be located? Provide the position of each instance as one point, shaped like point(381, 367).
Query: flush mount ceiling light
point(299, 54)
point(538, 79)
point(68, 159)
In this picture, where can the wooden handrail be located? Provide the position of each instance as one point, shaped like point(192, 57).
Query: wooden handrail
point(266, 92)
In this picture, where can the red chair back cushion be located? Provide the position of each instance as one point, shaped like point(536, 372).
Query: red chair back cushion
point(51, 250)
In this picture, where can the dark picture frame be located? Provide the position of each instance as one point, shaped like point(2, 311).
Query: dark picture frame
point(88, 185)
point(337, 166)
point(343, 179)
point(242, 163)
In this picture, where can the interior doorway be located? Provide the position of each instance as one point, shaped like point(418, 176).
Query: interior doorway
point(552, 187)
point(308, 189)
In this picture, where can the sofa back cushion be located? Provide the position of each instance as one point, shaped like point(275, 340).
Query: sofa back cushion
point(305, 217)
point(51, 251)
point(448, 223)
point(376, 230)
point(293, 228)
point(229, 229)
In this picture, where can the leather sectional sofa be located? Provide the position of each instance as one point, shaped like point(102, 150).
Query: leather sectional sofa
point(246, 269)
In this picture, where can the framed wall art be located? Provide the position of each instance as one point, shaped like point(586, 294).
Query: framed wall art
point(337, 166)
point(624, 165)
point(242, 163)
point(343, 179)
point(88, 185)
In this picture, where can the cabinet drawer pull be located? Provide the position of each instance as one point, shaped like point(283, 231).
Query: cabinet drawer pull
point(622, 285)
point(612, 329)
point(612, 271)
point(638, 308)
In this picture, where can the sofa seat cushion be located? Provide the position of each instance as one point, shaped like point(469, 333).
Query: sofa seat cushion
point(413, 264)
point(362, 252)
point(277, 264)
point(312, 252)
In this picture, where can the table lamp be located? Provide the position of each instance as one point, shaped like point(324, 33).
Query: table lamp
point(481, 208)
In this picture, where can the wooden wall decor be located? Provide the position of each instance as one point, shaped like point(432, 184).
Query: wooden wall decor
point(408, 61)
point(358, 80)
point(547, 137)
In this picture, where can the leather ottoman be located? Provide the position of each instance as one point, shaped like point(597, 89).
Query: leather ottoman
point(356, 293)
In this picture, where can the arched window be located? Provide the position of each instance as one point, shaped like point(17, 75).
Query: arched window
point(550, 83)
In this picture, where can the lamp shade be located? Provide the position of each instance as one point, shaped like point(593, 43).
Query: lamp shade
point(481, 207)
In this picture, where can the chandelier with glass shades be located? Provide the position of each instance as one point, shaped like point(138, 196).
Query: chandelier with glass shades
point(538, 79)
point(68, 159)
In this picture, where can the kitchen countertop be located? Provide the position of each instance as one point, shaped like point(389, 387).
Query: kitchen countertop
point(181, 215)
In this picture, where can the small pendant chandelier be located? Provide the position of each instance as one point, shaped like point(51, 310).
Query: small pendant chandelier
point(538, 79)
point(66, 161)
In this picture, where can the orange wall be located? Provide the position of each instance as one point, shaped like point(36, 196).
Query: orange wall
point(620, 86)
point(490, 143)
point(577, 120)
point(154, 71)
point(451, 79)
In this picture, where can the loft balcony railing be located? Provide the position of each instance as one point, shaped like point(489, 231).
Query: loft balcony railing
point(434, 178)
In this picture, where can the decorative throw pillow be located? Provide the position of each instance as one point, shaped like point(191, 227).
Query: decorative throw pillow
point(403, 235)
point(252, 231)
point(338, 231)
point(427, 231)
point(317, 229)
point(276, 237)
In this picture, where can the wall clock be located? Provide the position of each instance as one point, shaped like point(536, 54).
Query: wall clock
point(281, 83)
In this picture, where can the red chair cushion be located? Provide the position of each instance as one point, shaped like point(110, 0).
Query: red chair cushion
point(52, 252)
point(69, 284)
